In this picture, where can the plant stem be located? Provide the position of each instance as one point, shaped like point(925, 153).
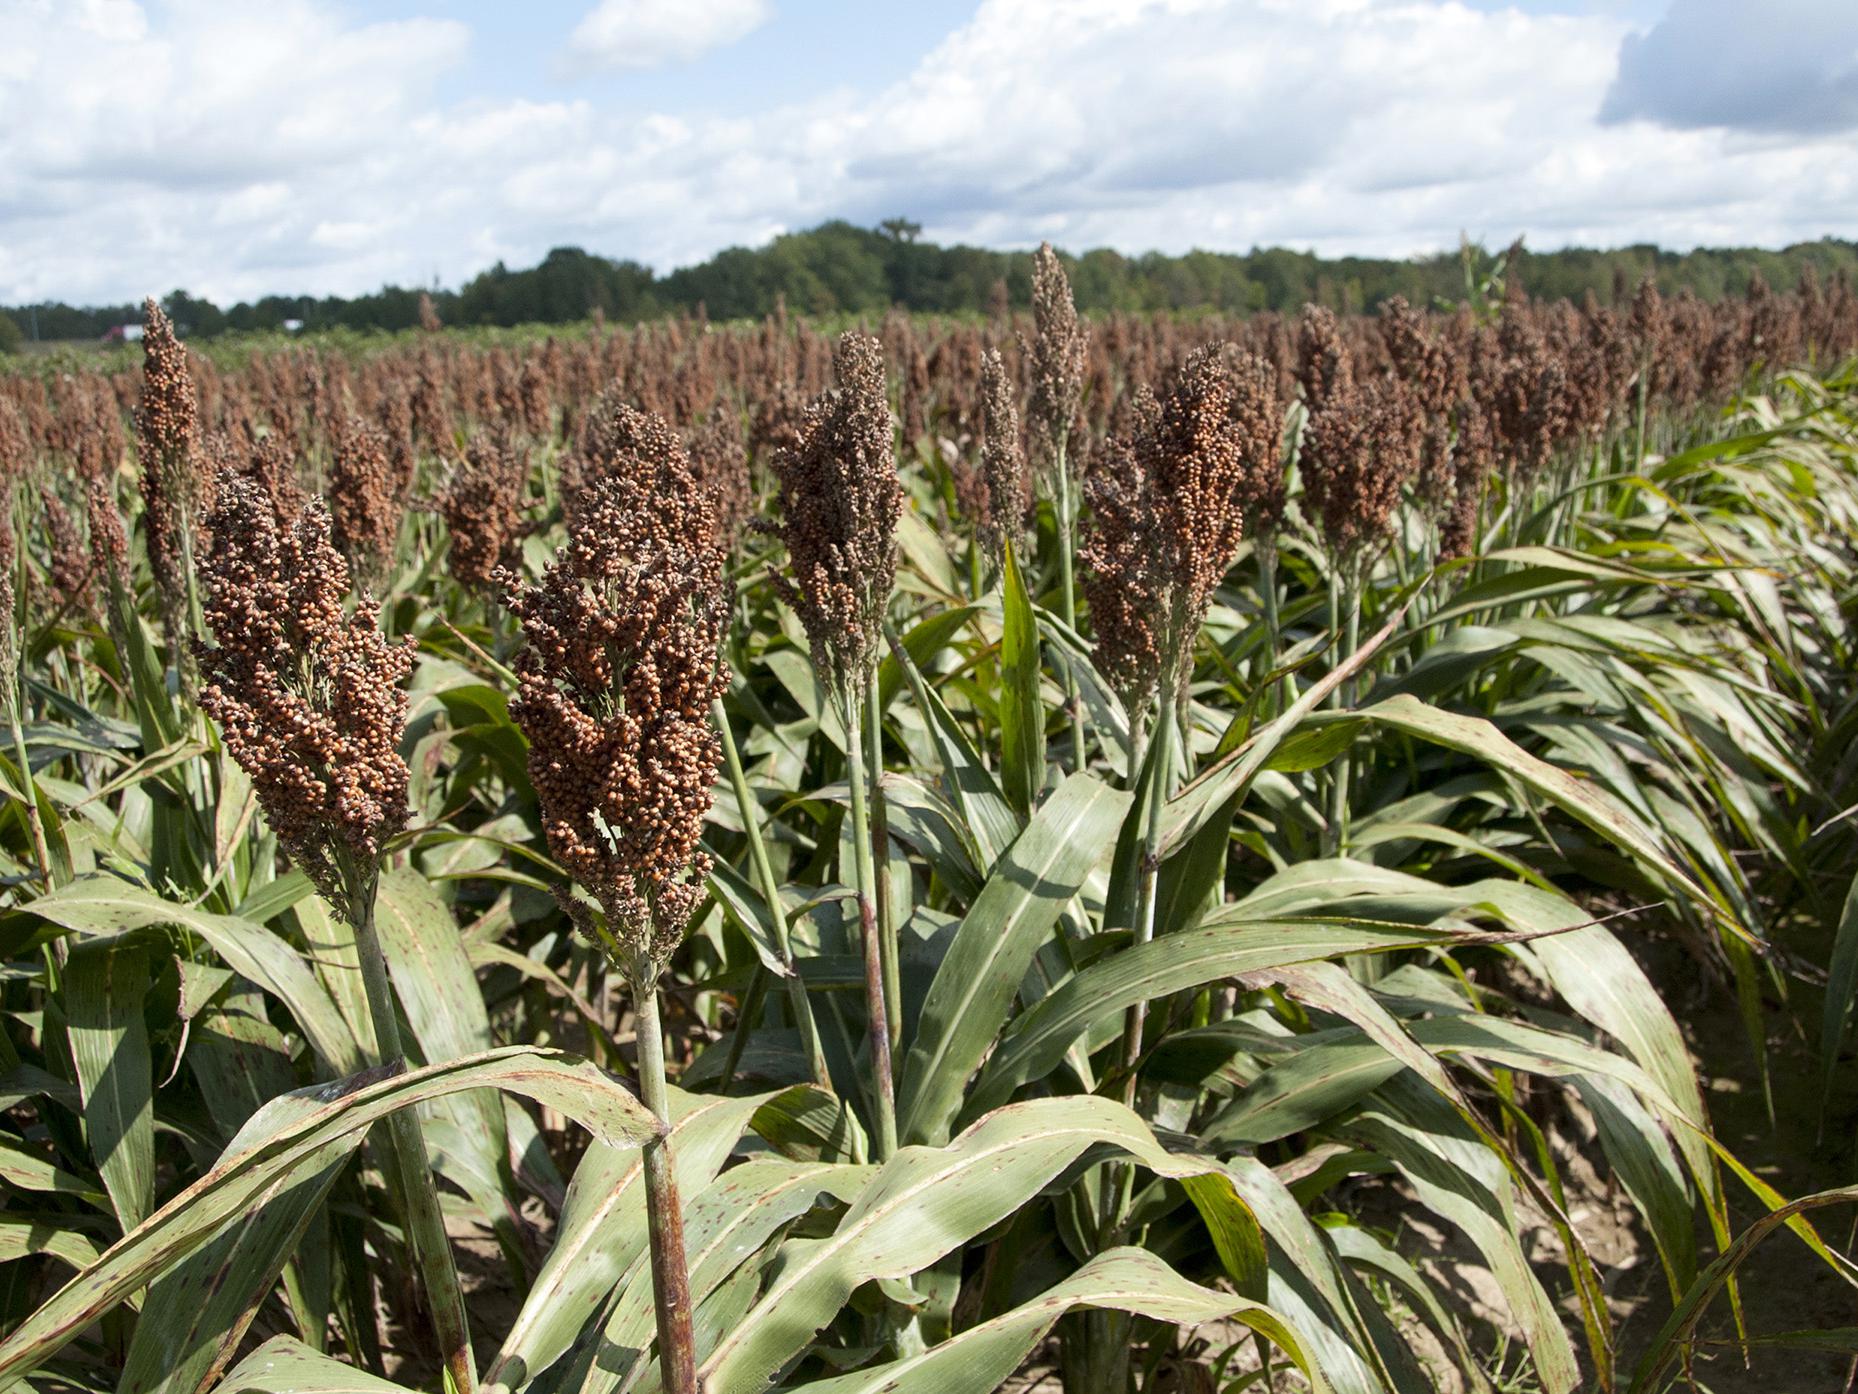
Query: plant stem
point(677, 1342)
point(797, 1002)
point(1065, 517)
point(864, 879)
point(41, 849)
point(1345, 596)
point(406, 1146)
point(1267, 598)
point(880, 851)
point(1143, 930)
point(1638, 440)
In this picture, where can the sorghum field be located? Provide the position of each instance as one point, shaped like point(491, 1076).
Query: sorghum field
point(1163, 854)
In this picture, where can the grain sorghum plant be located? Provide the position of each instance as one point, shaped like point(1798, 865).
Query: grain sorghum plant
point(1324, 366)
point(840, 500)
point(485, 505)
point(109, 545)
point(70, 566)
point(168, 441)
point(306, 690)
point(1473, 459)
point(308, 696)
point(367, 498)
point(1003, 461)
point(839, 504)
point(1167, 508)
point(1359, 450)
point(1123, 580)
point(719, 462)
point(15, 443)
point(619, 668)
point(1056, 359)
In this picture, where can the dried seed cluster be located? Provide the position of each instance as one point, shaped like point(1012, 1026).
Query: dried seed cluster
point(307, 691)
point(1005, 497)
point(839, 502)
point(485, 507)
point(619, 666)
point(1056, 357)
point(168, 440)
point(1167, 507)
point(1359, 450)
point(367, 497)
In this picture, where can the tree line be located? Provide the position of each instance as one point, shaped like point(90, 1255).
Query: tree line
point(841, 269)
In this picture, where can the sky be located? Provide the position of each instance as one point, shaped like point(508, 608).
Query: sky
point(331, 146)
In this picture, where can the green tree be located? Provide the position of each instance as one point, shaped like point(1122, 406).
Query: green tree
point(10, 335)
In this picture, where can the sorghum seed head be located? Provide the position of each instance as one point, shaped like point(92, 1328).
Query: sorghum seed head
point(840, 500)
point(307, 692)
point(619, 666)
point(1003, 462)
point(484, 506)
point(367, 497)
point(1056, 356)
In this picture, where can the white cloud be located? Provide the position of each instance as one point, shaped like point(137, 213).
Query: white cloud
point(239, 150)
point(619, 34)
point(1785, 65)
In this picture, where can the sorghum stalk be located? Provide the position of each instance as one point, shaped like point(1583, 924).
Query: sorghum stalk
point(1057, 353)
point(864, 885)
point(10, 687)
point(1345, 623)
point(620, 672)
point(308, 697)
point(798, 1004)
point(1143, 930)
point(677, 1342)
point(1267, 601)
point(880, 854)
point(840, 501)
point(1067, 595)
point(406, 1147)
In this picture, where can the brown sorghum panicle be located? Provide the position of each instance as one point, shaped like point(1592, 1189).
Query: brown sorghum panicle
point(1324, 368)
point(1357, 453)
point(1120, 551)
point(1003, 462)
point(619, 441)
point(15, 446)
point(1055, 358)
point(307, 692)
point(915, 396)
point(109, 546)
point(839, 503)
point(1258, 424)
point(70, 564)
point(367, 497)
point(619, 666)
point(1166, 514)
point(1473, 457)
point(1197, 465)
point(483, 506)
point(719, 462)
point(168, 430)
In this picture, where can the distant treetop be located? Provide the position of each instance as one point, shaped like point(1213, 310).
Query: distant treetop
point(840, 269)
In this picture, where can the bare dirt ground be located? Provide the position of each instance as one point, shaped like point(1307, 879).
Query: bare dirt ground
point(1784, 1286)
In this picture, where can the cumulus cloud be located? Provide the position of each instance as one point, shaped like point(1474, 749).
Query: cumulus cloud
point(1785, 66)
point(136, 155)
point(619, 34)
